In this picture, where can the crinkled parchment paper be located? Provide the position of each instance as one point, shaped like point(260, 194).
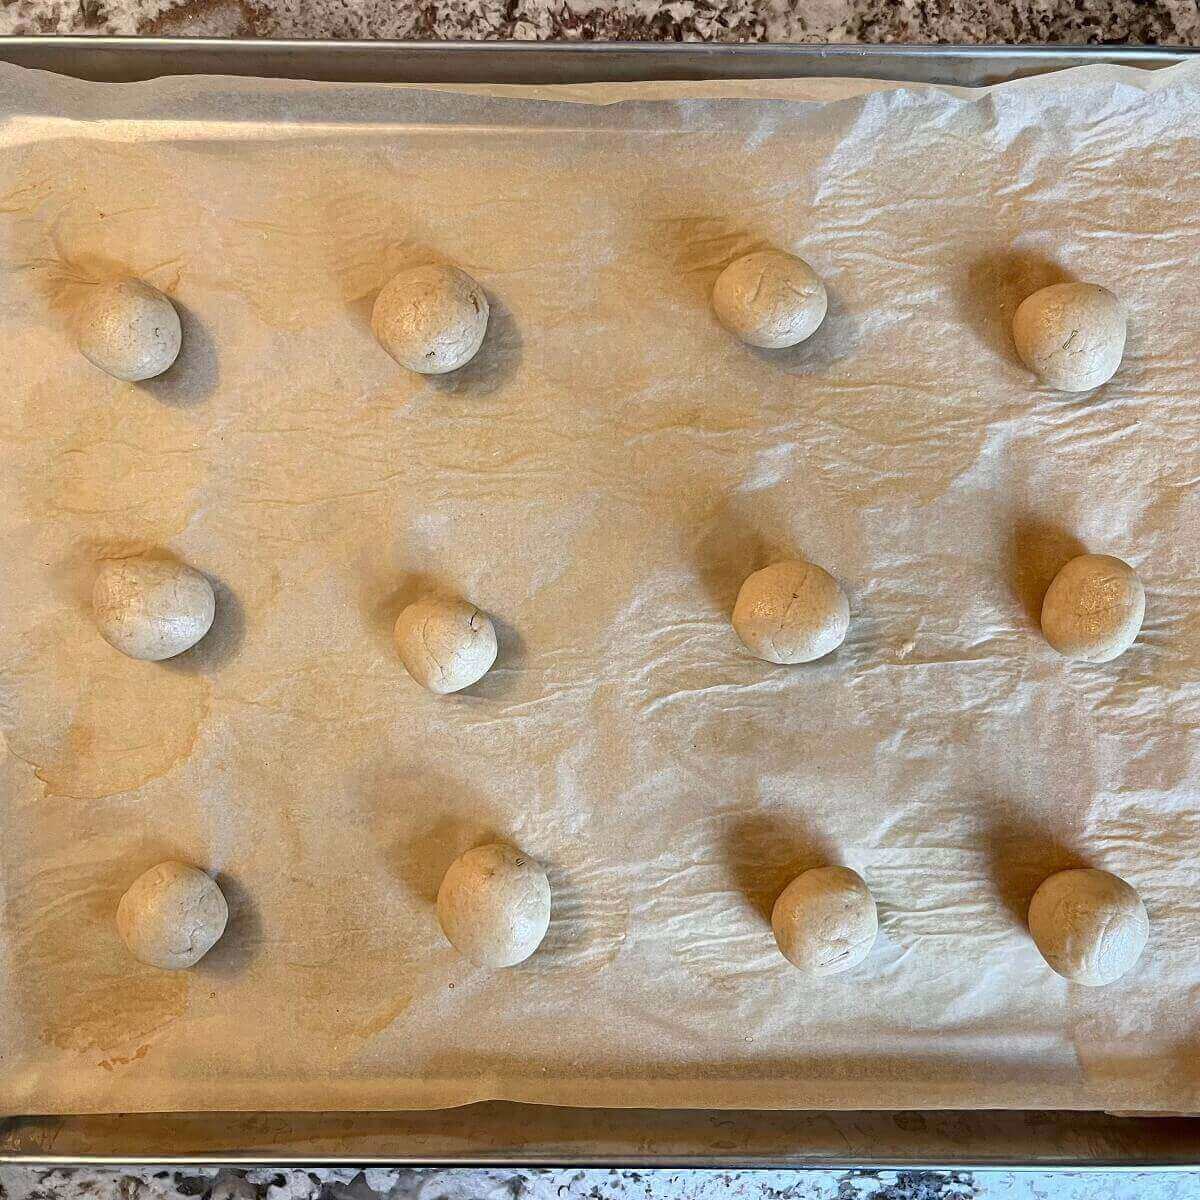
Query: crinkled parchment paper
point(600, 480)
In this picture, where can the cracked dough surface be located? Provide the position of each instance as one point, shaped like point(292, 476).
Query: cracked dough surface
point(494, 905)
point(791, 612)
point(172, 916)
point(1090, 926)
point(446, 643)
point(770, 299)
point(128, 329)
point(1071, 335)
point(1093, 610)
point(152, 609)
point(431, 319)
point(825, 920)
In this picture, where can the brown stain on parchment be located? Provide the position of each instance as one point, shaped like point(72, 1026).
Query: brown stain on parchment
point(701, 246)
point(339, 1006)
point(118, 469)
point(339, 244)
point(108, 1012)
point(94, 723)
point(70, 223)
point(391, 1012)
point(84, 992)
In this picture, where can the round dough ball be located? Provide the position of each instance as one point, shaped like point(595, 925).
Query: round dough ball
point(791, 612)
point(445, 643)
point(770, 299)
point(151, 609)
point(825, 920)
point(494, 905)
point(1094, 608)
point(128, 328)
point(431, 319)
point(1090, 926)
point(172, 916)
point(1071, 335)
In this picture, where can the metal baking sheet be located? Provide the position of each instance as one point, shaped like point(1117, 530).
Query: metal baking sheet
point(514, 1133)
point(124, 59)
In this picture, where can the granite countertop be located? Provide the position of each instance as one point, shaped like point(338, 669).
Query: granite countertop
point(872, 21)
point(1151, 21)
point(542, 1183)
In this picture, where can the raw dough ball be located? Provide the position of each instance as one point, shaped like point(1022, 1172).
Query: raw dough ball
point(791, 612)
point(431, 319)
point(150, 609)
point(494, 905)
point(446, 643)
point(1071, 335)
point(128, 328)
point(1094, 608)
point(172, 916)
point(770, 299)
point(1089, 925)
point(825, 920)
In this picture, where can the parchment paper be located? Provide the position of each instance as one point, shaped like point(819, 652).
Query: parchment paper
point(600, 480)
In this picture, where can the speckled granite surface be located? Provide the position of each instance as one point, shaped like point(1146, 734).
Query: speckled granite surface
point(972, 21)
point(1162, 21)
point(552, 1184)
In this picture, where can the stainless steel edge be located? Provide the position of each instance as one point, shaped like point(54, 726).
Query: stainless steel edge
point(781, 1162)
point(126, 59)
point(505, 1134)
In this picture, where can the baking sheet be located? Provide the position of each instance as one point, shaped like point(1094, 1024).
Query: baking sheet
point(600, 480)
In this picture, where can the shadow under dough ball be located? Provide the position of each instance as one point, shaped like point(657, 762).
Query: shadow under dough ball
point(494, 905)
point(172, 916)
point(128, 329)
point(445, 643)
point(1071, 335)
point(770, 299)
point(791, 612)
point(431, 319)
point(152, 609)
point(1090, 926)
point(825, 920)
point(1094, 608)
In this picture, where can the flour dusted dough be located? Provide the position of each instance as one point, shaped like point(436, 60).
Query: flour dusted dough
point(445, 643)
point(1094, 608)
point(1090, 926)
point(431, 319)
point(791, 612)
point(770, 299)
point(128, 328)
point(494, 905)
point(825, 920)
point(172, 916)
point(1071, 335)
point(151, 609)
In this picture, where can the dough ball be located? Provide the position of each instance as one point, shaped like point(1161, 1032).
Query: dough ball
point(128, 328)
point(151, 609)
point(494, 905)
point(825, 920)
point(172, 916)
point(431, 319)
point(1094, 608)
point(1071, 335)
point(446, 643)
point(1090, 926)
point(770, 299)
point(791, 612)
